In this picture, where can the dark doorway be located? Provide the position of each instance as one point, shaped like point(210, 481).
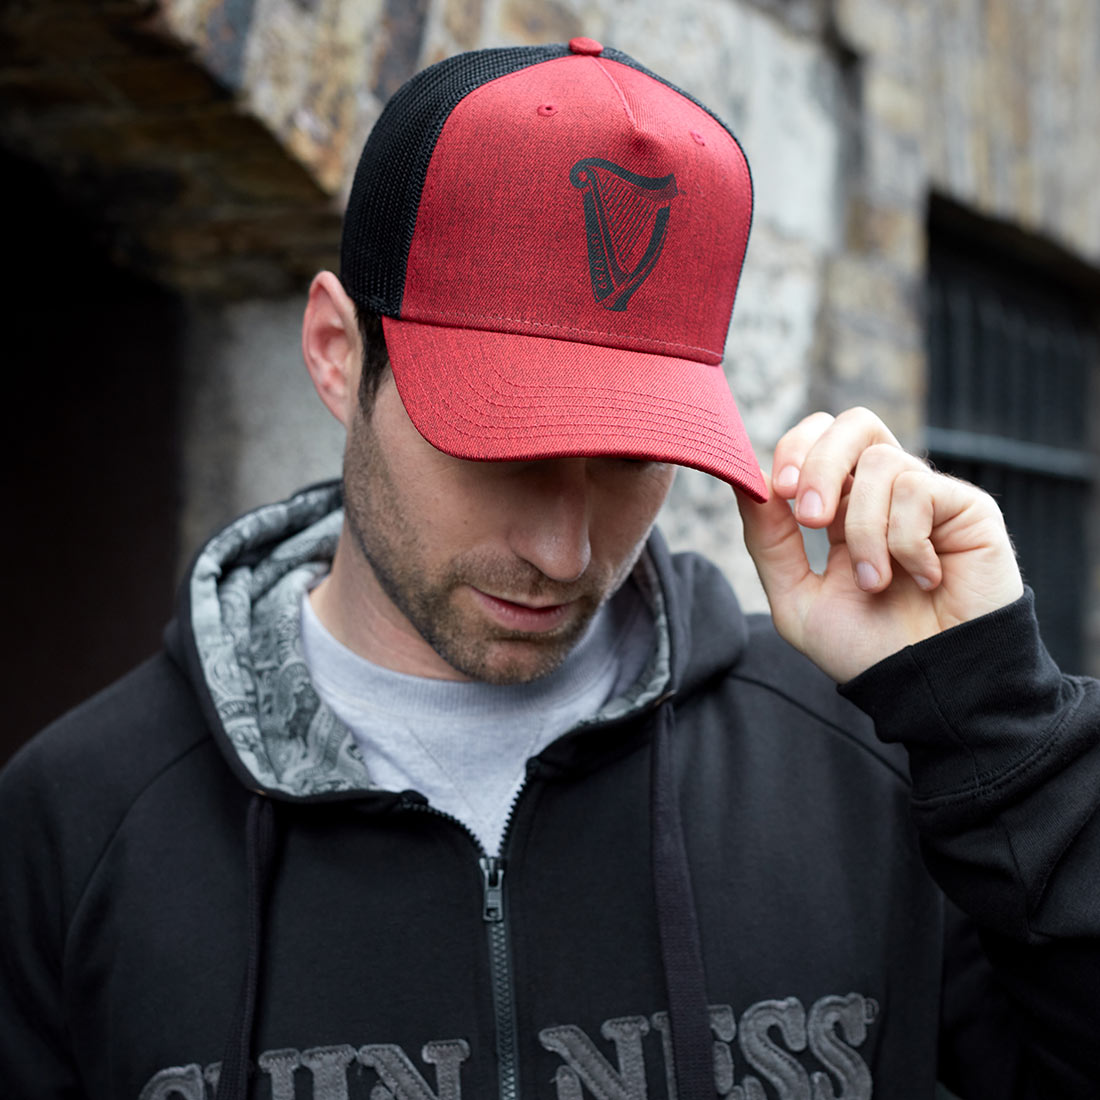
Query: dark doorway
point(92, 360)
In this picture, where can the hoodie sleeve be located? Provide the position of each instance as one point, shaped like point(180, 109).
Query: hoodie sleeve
point(1005, 759)
point(34, 1048)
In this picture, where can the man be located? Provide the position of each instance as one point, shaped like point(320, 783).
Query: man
point(467, 788)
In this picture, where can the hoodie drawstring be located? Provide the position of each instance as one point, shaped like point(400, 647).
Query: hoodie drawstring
point(260, 842)
point(678, 926)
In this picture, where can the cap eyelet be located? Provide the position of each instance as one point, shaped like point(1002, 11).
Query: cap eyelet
point(547, 109)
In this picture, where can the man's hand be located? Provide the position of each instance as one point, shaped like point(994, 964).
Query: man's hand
point(912, 552)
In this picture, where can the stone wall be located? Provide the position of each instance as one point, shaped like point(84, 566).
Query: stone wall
point(995, 105)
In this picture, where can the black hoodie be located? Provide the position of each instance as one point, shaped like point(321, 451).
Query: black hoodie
point(197, 873)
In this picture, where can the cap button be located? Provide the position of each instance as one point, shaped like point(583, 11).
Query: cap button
point(589, 47)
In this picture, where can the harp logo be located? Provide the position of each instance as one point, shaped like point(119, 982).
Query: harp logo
point(625, 218)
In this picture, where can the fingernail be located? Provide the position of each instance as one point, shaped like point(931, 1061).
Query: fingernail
point(923, 582)
point(787, 478)
point(810, 506)
point(867, 576)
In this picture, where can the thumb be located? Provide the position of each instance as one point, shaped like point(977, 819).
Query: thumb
point(774, 542)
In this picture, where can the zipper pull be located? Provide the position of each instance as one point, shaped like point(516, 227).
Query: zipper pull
point(492, 868)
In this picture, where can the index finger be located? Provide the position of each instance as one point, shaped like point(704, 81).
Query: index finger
point(830, 452)
point(791, 451)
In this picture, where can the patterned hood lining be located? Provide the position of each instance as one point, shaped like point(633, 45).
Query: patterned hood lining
point(245, 594)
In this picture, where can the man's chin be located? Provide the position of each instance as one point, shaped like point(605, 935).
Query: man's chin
point(508, 660)
point(514, 661)
point(481, 643)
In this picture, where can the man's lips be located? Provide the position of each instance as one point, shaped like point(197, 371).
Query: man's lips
point(532, 618)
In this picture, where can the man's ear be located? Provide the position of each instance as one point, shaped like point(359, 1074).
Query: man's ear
point(331, 346)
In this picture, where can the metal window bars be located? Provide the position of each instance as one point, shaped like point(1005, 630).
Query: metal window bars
point(1010, 357)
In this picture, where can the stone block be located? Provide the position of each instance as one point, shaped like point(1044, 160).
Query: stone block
point(537, 21)
point(322, 128)
point(462, 20)
point(242, 231)
point(874, 297)
point(184, 243)
point(249, 257)
point(780, 93)
point(804, 17)
point(160, 82)
point(895, 103)
point(895, 165)
point(872, 27)
point(308, 76)
point(869, 369)
point(152, 135)
point(183, 18)
point(894, 234)
point(397, 53)
point(769, 356)
point(46, 89)
point(771, 346)
point(267, 177)
point(124, 136)
point(72, 34)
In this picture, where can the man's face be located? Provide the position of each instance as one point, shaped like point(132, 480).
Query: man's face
point(497, 566)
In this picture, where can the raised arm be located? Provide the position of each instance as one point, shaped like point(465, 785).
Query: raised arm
point(922, 616)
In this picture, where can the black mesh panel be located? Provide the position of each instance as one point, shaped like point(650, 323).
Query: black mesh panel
point(385, 196)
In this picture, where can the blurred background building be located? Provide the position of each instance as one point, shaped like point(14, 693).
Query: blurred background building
point(926, 242)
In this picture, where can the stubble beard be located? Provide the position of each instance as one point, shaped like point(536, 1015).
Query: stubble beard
point(468, 643)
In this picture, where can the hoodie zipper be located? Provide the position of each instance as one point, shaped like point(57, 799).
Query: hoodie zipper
point(494, 914)
point(500, 966)
point(500, 952)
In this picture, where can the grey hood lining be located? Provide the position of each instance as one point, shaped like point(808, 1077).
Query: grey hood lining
point(245, 596)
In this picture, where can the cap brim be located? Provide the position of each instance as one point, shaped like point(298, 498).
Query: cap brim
point(493, 396)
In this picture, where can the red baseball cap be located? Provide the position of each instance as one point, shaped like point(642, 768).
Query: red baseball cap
point(553, 236)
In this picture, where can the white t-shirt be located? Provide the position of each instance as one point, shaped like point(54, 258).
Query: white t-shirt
point(465, 745)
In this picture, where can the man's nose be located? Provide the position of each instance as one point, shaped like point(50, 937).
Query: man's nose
point(554, 532)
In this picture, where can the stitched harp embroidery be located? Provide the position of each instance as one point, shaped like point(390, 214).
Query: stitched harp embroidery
point(625, 216)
